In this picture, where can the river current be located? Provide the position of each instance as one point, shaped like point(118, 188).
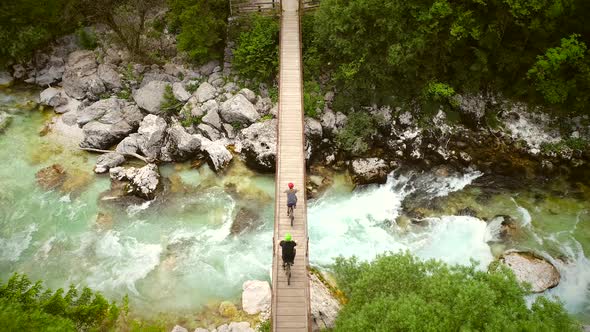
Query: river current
point(180, 256)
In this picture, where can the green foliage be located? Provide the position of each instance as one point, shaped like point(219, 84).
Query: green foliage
point(265, 118)
point(237, 125)
point(124, 94)
point(170, 104)
point(27, 306)
point(273, 93)
point(569, 143)
point(312, 62)
point(399, 292)
point(257, 52)
point(356, 135)
point(264, 326)
point(201, 27)
point(375, 49)
point(192, 87)
point(27, 25)
point(86, 38)
point(190, 120)
point(312, 99)
point(562, 71)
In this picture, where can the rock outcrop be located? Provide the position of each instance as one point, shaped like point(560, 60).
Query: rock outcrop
point(324, 307)
point(256, 296)
point(259, 145)
point(80, 79)
point(107, 122)
point(150, 96)
point(142, 182)
point(240, 110)
point(218, 156)
point(107, 161)
point(532, 269)
point(369, 170)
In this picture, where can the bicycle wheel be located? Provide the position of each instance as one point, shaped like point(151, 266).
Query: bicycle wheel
point(292, 217)
point(288, 271)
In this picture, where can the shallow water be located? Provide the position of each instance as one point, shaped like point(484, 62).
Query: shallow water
point(179, 256)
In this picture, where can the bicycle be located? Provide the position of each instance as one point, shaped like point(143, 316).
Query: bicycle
point(287, 268)
point(290, 214)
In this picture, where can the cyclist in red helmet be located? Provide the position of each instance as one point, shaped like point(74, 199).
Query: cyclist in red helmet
point(291, 197)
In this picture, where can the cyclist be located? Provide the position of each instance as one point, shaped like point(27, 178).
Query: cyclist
point(288, 250)
point(291, 197)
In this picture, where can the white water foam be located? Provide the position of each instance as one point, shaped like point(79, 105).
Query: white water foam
point(121, 261)
point(12, 248)
point(362, 225)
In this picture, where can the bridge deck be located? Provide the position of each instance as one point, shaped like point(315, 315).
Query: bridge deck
point(290, 304)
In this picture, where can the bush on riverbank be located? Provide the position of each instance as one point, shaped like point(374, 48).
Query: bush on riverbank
point(27, 306)
point(399, 292)
point(257, 53)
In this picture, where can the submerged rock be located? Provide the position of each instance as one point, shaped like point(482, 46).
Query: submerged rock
point(228, 309)
point(256, 296)
point(245, 220)
point(535, 270)
point(5, 119)
point(51, 177)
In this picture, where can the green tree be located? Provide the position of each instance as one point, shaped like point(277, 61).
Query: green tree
point(399, 292)
point(562, 71)
point(357, 134)
point(376, 49)
point(201, 27)
point(257, 52)
point(27, 25)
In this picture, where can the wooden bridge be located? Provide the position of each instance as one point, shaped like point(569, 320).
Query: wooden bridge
point(290, 303)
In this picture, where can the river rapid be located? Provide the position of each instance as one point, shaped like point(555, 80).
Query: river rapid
point(179, 256)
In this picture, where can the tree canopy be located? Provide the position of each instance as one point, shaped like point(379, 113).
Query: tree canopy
point(377, 48)
point(399, 292)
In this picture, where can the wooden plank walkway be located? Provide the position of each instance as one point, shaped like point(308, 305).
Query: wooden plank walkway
point(290, 304)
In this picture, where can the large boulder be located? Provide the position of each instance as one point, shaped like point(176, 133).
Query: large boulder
point(532, 269)
point(235, 327)
point(109, 76)
point(369, 170)
point(80, 79)
point(313, 130)
point(249, 94)
point(212, 118)
point(151, 96)
point(152, 132)
point(107, 161)
point(205, 92)
point(323, 304)
point(218, 156)
point(256, 296)
point(209, 132)
point(328, 121)
point(259, 145)
point(239, 110)
point(52, 73)
point(180, 92)
point(182, 145)
point(129, 144)
point(59, 100)
point(143, 182)
point(107, 122)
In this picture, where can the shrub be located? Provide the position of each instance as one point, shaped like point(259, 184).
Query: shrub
point(201, 27)
point(312, 99)
point(170, 104)
point(192, 87)
point(86, 38)
point(26, 306)
point(355, 136)
point(399, 292)
point(257, 52)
